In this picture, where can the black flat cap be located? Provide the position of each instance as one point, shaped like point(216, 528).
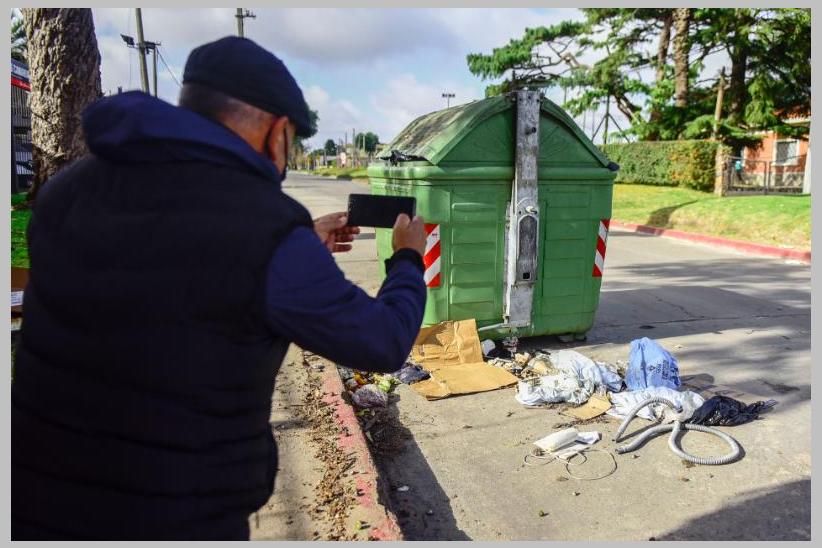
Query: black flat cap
point(242, 69)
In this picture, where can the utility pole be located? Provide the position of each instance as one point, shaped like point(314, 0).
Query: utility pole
point(141, 46)
point(720, 95)
point(242, 14)
point(448, 96)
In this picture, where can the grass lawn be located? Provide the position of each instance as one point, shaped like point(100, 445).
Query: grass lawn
point(344, 172)
point(770, 220)
point(19, 222)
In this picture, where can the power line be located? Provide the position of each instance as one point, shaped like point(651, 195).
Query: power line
point(160, 53)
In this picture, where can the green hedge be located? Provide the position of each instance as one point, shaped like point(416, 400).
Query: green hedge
point(690, 164)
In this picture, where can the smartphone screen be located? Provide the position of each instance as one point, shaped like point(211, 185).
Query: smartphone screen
point(378, 211)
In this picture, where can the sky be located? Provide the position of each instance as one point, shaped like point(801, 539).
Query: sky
point(364, 69)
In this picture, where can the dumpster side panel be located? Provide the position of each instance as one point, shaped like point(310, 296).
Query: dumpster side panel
point(476, 247)
point(565, 212)
point(569, 293)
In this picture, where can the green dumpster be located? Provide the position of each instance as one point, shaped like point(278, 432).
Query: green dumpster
point(517, 202)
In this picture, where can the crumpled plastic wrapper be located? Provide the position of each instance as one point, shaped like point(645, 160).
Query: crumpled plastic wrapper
point(370, 395)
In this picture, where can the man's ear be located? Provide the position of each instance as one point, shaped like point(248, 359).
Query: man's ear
point(275, 145)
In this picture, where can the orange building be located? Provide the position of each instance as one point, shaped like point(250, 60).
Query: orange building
point(779, 162)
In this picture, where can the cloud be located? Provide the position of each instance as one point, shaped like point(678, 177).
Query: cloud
point(338, 116)
point(480, 30)
point(330, 36)
point(326, 36)
point(115, 64)
point(174, 28)
point(390, 107)
point(404, 98)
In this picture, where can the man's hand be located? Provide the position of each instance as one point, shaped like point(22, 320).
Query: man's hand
point(333, 233)
point(409, 233)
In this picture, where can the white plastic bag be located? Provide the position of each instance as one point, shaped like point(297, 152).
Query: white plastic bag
point(585, 368)
point(623, 402)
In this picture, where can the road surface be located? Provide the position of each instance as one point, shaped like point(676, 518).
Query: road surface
point(732, 320)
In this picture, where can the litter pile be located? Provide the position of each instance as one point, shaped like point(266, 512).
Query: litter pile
point(370, 393)
point(652, 391)
point(652, 373)
point(449, 359)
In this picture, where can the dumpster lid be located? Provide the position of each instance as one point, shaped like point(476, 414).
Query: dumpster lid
point(432, 136)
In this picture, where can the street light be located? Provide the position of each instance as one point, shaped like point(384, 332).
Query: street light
point(144, 47)
point(448, 96)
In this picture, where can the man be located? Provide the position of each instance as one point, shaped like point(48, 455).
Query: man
point(169, 275)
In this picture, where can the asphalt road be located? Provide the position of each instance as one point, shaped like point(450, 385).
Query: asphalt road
point(732, 320)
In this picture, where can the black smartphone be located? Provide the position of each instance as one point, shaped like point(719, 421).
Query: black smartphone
point(378, 211)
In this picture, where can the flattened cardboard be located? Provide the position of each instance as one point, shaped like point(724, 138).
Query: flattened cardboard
point(463, 378)
point(595, 406)
point(431, 389)
point(452, 354)
point(19, 279)
point(447, 343)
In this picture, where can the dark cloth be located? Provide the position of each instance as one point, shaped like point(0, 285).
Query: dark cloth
point(145, 370)
point(241, 69)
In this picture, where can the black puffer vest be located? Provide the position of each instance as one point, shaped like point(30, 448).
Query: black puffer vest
point(144, 375)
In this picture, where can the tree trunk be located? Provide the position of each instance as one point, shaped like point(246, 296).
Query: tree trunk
point(738, 91)
point(661, 63)
point(737, 86)
point(64, 67)
point(682, 20)
point(662, 48)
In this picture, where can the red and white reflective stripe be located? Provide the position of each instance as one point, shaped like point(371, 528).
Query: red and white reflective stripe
point(602, 240)
point(431, 258)
point(22, 84)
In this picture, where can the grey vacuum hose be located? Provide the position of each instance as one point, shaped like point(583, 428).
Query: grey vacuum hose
point(675, 428)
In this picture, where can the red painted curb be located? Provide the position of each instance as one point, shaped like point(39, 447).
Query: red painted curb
point(745, 247)
point(383, 524)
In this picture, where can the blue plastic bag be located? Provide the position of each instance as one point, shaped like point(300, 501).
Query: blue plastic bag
point(651, 365)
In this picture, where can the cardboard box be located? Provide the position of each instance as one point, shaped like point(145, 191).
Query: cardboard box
point(19, 280)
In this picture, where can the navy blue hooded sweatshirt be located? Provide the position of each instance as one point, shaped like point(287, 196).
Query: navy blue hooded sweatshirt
point(169, 273)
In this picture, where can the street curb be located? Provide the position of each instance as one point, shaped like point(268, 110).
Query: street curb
point(382, 523)
point(744, 247)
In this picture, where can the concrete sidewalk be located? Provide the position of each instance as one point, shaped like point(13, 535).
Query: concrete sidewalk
point(731, 320)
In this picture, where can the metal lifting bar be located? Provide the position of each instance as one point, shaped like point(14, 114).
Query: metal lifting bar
point(522, 241)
